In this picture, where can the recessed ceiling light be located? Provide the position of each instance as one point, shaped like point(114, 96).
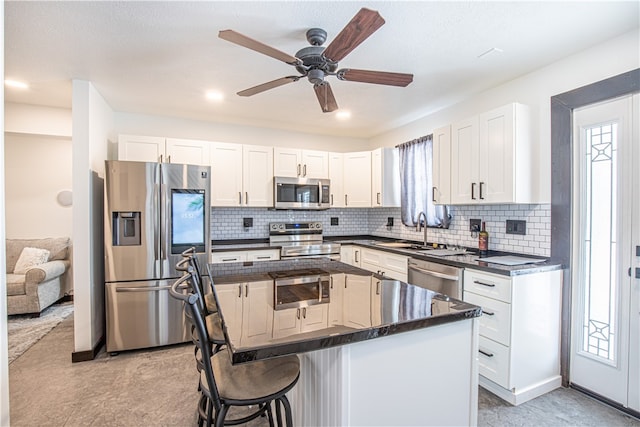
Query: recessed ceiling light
point(343, 115)
point(490, 51)
point(214, 95)
point(16, 84)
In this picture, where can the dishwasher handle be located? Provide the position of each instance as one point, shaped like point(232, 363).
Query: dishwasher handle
point(433, 273)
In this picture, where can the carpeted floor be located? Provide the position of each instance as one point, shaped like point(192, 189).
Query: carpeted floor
point(24, 330)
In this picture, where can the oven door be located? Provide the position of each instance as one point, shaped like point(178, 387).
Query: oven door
point(300, 193)
point(304, 291)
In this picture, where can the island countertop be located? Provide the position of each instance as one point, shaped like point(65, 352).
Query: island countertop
point(359, 306)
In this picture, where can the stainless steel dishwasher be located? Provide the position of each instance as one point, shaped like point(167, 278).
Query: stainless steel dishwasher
point(440, 278)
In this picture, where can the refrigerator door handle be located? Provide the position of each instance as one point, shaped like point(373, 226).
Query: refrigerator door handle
point(144, 289)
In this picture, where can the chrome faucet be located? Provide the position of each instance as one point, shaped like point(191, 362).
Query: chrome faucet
point(418, 226)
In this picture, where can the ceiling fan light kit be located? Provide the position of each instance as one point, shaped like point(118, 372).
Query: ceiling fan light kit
point(316, 62)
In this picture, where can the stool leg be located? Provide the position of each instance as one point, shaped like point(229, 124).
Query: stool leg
point(278, 413)
point(220, 415)
point(287, 410)
point(269, 414)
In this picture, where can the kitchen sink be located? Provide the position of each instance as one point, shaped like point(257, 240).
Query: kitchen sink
point(394, 244)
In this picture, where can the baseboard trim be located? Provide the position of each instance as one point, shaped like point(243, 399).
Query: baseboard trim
point(522, 395)
point(605, 400)
point(85, 356)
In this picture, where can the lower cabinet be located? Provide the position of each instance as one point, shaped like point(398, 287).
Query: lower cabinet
point(385, 263)
point(241, 256)
point(519, 346)
point(298, 320)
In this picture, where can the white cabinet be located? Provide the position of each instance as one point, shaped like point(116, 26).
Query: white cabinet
point(385, 177)
point(336, 297)
point(385, 263)
point(159, 149)
point(300, 163)
point(492, 158)
point(350, 254)
point(299, 320)
point(241, 175)
point(248, 311)
point(357, 301)
point(357, 179)
point(336, 176)
point(245, 255)
point(519, 346)
point(441, 171)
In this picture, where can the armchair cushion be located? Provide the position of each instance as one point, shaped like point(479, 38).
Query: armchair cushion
point(30, 257)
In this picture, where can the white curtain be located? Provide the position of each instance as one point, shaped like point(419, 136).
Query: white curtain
point(416, 169)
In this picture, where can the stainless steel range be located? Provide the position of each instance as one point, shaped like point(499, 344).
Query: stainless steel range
point(301, 239)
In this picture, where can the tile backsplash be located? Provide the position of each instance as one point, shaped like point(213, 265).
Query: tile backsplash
point(227, 223)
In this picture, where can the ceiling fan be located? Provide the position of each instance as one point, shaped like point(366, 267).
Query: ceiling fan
point(316, 62)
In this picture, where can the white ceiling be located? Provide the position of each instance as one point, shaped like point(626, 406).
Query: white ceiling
point(160, 57)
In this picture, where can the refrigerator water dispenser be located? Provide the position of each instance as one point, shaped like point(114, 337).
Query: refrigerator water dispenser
point(126, 231)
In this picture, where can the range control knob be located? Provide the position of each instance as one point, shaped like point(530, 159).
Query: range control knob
point(281, 226)
point(318, 225)
point(274, 226)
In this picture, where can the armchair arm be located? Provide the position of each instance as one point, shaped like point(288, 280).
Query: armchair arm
point(48, 270)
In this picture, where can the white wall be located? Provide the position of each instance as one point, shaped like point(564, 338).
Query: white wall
point(37, 120)
point(36, 169)
point(139, 124)
point(535, 89)
point(92, 122)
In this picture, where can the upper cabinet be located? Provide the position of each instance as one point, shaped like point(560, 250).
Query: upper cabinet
point(441, 190)
point(300, 163)
point(160, 149)
point(241, 175)
point(492, 158)
point(336, 176)
point(385, 178)
point(357, 179)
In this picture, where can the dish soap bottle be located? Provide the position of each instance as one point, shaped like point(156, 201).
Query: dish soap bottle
point(483, 240)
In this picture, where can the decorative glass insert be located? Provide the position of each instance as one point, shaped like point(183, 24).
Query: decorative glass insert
point(600, 246)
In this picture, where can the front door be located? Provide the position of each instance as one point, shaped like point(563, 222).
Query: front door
point(606, 251)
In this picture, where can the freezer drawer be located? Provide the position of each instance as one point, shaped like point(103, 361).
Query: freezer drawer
point(143, 314)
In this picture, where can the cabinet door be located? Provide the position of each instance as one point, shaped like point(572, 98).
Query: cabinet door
point(441, 191)
point(141, 148)
point(187, 151)
point(315, 164)
point(314, 318)
point(357, 301)
point(376, 177)
point(336, 291)
point(257, 312)
point(346, 254)
point(336, 172)
point(230, 299)
point(257, 176)
point(357, 183)
point(286, 322)
point(496, 155)
point(464, 161)
point(287, 162)
point(226, 174)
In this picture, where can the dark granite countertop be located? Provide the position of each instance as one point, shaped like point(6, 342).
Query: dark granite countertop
point(369, 306)
point(469, 260)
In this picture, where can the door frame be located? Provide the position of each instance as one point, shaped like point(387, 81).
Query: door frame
point(562, 140)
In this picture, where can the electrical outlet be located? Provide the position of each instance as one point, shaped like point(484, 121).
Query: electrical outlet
point(516, 227)
point(475, 224)
point(334, 220)
point(247, 222)
point(390, 221)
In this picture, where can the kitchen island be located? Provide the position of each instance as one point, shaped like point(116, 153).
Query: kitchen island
point(373, 351)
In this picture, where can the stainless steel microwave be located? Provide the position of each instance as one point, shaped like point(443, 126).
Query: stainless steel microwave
point(301, 193)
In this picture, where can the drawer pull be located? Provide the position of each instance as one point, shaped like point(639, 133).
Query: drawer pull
point(264, 257)
point(229, 259)
point(488, 313)
point(491, 285)
point(485, 353)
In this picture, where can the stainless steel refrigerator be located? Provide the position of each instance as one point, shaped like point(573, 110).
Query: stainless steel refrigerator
point(153, 212)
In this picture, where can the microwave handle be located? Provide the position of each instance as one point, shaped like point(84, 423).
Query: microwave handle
point(319, 193)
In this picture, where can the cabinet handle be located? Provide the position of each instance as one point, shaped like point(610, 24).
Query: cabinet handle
point(246, 197)
point(485, 353)
point(378, 198)
point(473, 191)
point(488, 313)
point(229, 259)
point(378, 288)
point(246, 291)
point(298, 313)
point(356, 256)
point(433, 194)
point(332, 200)
point(168, 159)
point(239, 291)
point(491, 285)
point(160, 158)
point(345, 281)
point(481, 196)
point(263, 257)
point(298, 169)
point(345, 200)
point(240, 197)
point(331, 282)
point(304, 170)
point(304, 313)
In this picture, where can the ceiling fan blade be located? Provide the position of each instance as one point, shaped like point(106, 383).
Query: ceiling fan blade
point(377, 77)
point(269, 85)
point(325, 97)
point(361, 26)
point(242, 40)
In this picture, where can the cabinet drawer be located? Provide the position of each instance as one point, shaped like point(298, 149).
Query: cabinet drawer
point(230, 256)
point(495, 322)
point(395, 262)
point(493, 361)
point(266, 255)
point(488, 285)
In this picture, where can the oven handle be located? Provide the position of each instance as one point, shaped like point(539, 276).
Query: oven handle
point(433, 273)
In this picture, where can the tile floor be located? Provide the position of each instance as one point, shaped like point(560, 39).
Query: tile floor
point(158, 388)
